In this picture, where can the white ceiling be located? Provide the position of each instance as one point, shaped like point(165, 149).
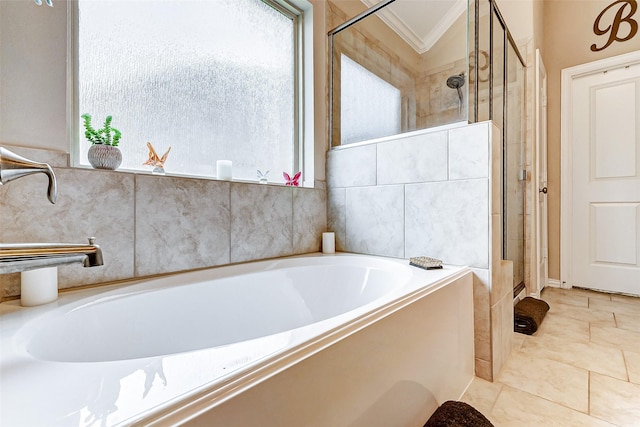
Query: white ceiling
point(420, 22)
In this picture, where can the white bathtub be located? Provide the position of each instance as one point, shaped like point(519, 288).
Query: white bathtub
point(313, 340)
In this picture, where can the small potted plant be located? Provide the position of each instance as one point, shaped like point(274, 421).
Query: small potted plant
point(104, 152)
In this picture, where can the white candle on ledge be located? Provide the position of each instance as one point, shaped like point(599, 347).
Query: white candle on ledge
point(329, 242)
point(38, 286)
point(224, 169)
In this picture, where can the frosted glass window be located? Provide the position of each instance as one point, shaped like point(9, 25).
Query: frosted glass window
point(212, 79)
point(369, 106)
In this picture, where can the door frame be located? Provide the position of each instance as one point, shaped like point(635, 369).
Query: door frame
point(541, 121)
point(566, 155)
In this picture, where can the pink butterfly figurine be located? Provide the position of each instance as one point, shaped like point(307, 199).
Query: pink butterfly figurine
point(293, 182)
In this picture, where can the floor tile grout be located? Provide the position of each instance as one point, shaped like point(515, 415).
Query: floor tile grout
point(626, 368)
point(608, 399)
point(589, 394)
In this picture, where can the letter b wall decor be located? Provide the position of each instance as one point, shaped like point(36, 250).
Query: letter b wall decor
point(617, 21)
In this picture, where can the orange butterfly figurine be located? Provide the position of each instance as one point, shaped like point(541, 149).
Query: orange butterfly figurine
point(154, 159)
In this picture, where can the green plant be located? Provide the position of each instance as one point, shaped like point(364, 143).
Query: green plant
point(101, 136)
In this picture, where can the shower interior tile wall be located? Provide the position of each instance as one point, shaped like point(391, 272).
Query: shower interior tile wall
point(435, 193)
point(149, 224)
point(427, 100)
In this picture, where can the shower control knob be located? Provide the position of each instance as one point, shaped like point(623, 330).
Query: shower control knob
point(543, 190)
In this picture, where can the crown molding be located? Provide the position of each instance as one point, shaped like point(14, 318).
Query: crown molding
point(420, 45)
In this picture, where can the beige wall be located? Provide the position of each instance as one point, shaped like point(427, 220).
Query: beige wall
point(525, 20)
point(568, 37)
point(33, 43)
point(519, 17)
point(450, 48)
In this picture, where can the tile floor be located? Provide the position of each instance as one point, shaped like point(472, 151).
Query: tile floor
point(581, 368)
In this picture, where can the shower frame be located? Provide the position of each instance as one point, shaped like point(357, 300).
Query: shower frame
point(507, 42)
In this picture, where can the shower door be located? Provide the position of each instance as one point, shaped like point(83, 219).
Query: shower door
point(498, 94)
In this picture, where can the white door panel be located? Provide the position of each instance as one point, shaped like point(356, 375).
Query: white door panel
point(613, 148)
point(606, 180)
point(614, 231)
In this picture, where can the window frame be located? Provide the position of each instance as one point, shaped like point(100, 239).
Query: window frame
point(301, 14)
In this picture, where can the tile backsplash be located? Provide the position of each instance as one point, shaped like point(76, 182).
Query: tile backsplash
point(425, 193)
point(449, 219)
point(149, 224)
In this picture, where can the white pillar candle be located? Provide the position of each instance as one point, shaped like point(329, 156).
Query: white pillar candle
point(329, 242)
point(38, 286)
point(224, 169)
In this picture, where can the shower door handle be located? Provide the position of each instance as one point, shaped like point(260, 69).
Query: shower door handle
point(543, 190)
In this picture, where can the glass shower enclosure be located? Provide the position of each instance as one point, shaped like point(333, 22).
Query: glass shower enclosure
point(399, 66)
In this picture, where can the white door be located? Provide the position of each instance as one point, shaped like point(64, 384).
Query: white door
point(605, 124)
point(542, 247)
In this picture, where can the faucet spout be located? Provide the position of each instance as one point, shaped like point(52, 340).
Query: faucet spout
point(13, 166)
point(17, 257)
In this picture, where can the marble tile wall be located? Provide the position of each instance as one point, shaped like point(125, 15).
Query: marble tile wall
point(449, 219)
point(420, 158)
point(437, 103)
point(500, 307)
point(149, 224)
point(434, 193)
point(180, 224)
point(426, 193)
point(371, 227)
point(90, 203)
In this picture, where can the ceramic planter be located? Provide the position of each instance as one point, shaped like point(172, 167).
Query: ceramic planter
point(104, 156)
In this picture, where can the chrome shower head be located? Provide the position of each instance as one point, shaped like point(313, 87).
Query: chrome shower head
point(456, 82)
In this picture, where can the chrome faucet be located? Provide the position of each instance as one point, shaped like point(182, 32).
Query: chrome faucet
point(17, 257)
point(13, 167)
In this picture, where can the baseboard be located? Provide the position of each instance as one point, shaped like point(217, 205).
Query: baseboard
point(554, 283)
